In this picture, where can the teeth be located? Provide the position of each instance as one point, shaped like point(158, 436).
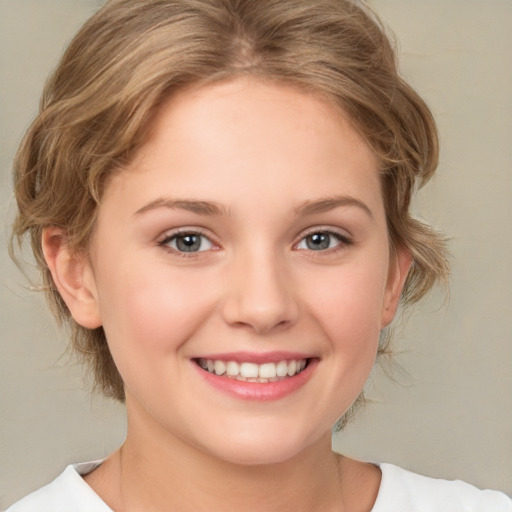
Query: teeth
point(220, 367)
point(232, 368)
point(282, 369)
point(249, 370)
point(252, 372)
point(267, 370)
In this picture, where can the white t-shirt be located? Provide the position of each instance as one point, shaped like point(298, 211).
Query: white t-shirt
point(400, 491)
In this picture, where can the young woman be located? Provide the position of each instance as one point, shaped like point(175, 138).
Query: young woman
point(217, 193)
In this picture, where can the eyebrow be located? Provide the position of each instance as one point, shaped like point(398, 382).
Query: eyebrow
point(330, 203)
point(211, 208)
point(190, 205)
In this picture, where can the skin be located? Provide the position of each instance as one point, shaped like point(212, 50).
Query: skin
point(263, 154)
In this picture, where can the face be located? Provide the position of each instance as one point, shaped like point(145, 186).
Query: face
point(240, 268)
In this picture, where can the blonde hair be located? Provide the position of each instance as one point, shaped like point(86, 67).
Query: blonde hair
point(132, 54)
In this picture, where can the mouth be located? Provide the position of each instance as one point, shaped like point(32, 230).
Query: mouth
point(246, 371)
point(259, 377)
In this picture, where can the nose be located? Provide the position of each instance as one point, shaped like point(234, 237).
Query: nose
point(260, 294)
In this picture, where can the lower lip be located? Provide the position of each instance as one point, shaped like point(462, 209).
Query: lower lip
point(259, 391)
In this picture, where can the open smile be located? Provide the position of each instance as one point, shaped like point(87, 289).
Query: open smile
point(256, 377)
point(253, 372)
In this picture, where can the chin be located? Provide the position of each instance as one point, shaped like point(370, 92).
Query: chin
point(257, 456)
point(253, 447)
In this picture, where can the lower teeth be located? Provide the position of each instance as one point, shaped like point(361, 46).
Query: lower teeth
point(253, 379)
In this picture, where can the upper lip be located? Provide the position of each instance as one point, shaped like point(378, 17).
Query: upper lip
point(255, 357)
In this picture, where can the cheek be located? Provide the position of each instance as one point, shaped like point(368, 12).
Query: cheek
point(154, 312)
point(347, 304)
point(350, 300)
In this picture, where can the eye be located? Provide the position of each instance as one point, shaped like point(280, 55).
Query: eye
point(187, 242)
point(322, 241)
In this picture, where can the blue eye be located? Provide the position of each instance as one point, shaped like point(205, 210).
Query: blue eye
point(321, 241)
point(187, 242)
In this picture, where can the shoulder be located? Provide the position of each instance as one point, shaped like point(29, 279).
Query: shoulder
point(403, 491)
point(67, 492)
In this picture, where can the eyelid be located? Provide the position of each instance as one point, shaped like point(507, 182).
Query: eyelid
point(169, 235)
point(344, 238)
point(342, 235)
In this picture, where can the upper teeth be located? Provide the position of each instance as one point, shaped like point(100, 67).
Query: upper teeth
point(254, 371)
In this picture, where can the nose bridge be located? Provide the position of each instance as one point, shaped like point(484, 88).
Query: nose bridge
point(260, 290)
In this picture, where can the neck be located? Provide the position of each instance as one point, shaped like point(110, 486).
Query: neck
point(155, 470)
point(178, 476)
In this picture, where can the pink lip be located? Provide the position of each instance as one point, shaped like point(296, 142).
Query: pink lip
point(258, 391)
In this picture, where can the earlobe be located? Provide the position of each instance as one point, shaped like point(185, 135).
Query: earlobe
point(73, 277)
point(396, 280)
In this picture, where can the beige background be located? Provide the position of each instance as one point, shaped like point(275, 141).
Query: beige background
point(450, 415)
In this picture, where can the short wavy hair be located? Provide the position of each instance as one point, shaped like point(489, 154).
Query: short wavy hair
point(132, 55)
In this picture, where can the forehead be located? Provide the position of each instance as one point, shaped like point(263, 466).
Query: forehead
point(247, 138)
point(249, 107)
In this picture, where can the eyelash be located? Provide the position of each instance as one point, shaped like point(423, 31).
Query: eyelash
point(168, 238)
point(343, 241)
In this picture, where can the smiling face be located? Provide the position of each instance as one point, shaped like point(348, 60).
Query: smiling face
point(240, 268)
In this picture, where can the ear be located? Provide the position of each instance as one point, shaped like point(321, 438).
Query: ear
point(73, 276)
point(398, 271)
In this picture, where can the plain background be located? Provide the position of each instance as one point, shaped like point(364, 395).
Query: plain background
point(450, 412)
